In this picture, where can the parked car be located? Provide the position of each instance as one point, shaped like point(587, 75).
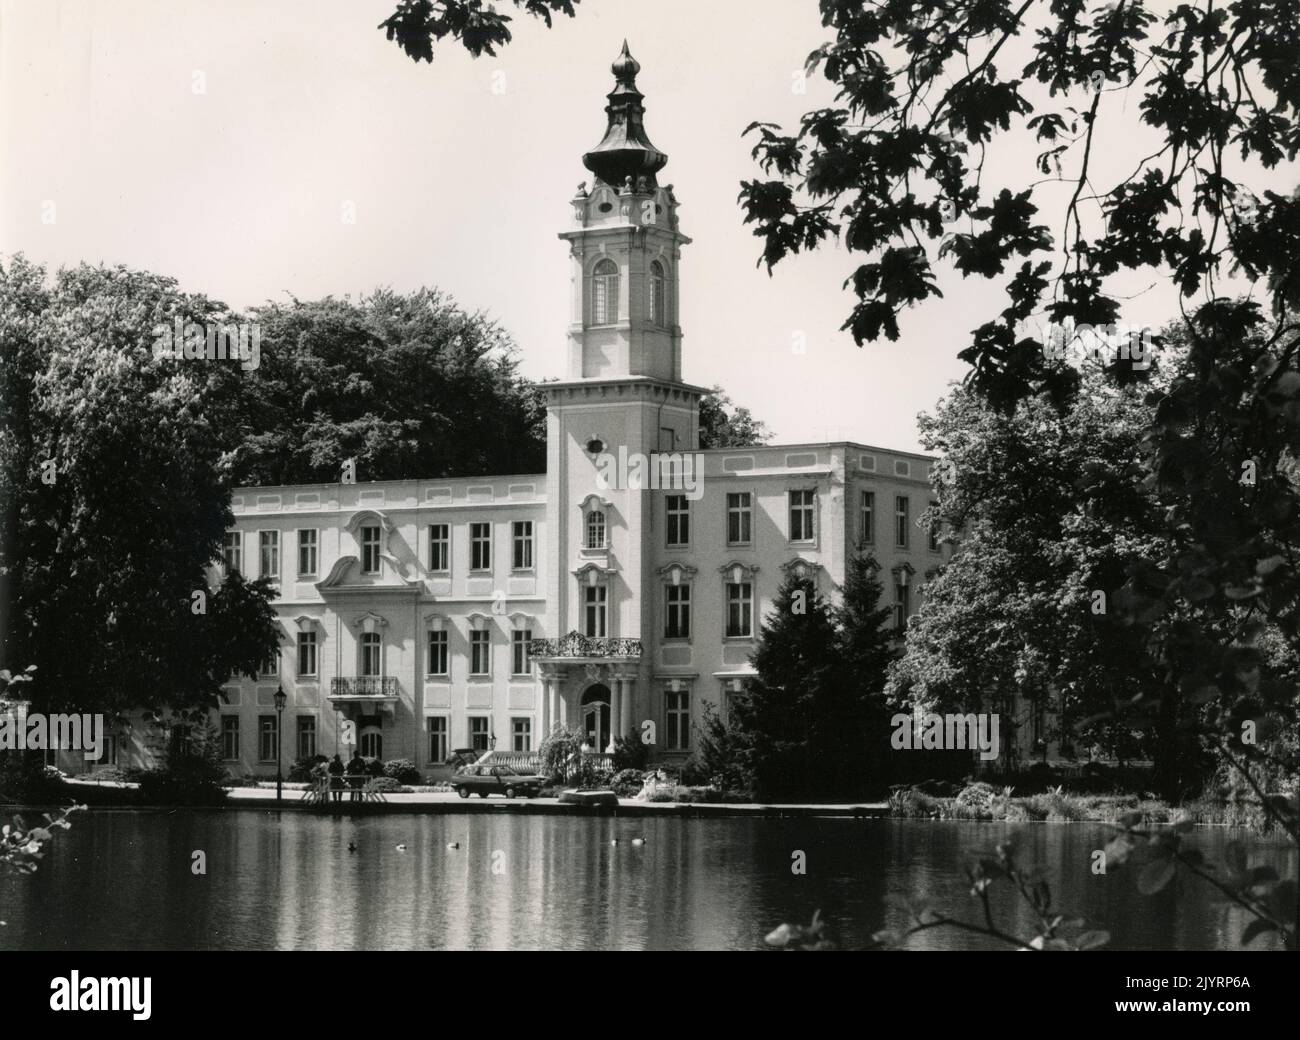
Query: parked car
point(486, 780)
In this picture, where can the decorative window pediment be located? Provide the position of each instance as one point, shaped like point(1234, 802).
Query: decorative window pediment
point(903, 573)
point(595, 502)
point(307, 623)
point(479, 622)
point(435, 622)
point(676, 573)
point(802, 569)
point(370, 622)
point(736, 571)
point(370, 518)
point(592, 574)
point(520, 621)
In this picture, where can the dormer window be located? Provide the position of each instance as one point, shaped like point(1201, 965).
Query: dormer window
point(658, 294)
point(595, 529)
point(370, 547)
point(604, 292)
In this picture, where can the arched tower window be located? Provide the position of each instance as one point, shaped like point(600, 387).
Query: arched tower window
point(595, 529)
point(604, 293)
point(658, 294)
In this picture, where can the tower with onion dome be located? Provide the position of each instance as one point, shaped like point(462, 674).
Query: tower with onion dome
point(622, 398)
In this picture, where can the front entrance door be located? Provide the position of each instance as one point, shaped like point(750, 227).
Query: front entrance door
point(596, 716)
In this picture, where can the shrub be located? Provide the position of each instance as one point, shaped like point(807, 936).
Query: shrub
point(631, 753)
point(694, 773)
point(560, 754)
point(386, 785)
point(300, 771)
point(402, 770)
point(590, 777)
point(627, 783)
point(720, 755)
point(975, 802)
point(911, 803)
point(192, 771)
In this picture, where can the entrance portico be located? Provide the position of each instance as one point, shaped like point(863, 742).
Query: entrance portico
point(588, 683)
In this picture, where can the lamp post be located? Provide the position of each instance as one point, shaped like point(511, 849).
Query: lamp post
point(280, 700)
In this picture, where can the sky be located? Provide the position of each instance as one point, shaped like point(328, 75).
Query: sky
point(222, 144)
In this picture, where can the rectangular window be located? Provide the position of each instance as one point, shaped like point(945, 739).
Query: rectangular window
point(268, 743)
point(740, 609)
point(740, 511)
point(269, 553)
point(932, 540)
point(437, 653)
point(480, 732)
point(867, 518)
point(480, 653)
point(372, 663)
point(370, 550)
point(271, 667)
point(520, 662)
point(232, 552)
point(307, 545)
point(679, 520)
point(902, 605)
point(667, 439)
point(522, 538)
point(439, 548)
point(901, 526)
point(306, 736)
point(307, 653)
point(801, 515)
point(480, 547)
point(229, 737)
point(678, 719)
point(595, 601)
point(677, 623)
point(438, 750)
point(521, 731)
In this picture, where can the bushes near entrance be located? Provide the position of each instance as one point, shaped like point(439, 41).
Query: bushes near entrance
point(402, 770)
point(627, 783)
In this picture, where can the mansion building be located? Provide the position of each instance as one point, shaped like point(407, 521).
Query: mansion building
point(482, 612)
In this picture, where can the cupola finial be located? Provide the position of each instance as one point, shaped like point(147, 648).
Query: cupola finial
point(625, 151)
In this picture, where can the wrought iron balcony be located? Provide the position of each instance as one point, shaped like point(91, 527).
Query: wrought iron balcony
point(359, 686)
point(577, 645)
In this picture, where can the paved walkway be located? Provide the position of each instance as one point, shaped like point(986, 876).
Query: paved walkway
point(448, 801)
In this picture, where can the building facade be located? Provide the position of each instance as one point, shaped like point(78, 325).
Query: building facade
point(620, 591)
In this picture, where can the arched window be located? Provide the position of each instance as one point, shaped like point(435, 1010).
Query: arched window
point(595, 529)
point(372, 743)
point(658, 294)
point(604, 293)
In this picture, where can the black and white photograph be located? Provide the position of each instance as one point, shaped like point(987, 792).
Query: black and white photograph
point(542, 476)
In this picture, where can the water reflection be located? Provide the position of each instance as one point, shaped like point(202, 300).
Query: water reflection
point(124, 880)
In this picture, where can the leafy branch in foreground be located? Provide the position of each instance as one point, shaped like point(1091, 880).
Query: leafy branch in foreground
point(417, 24)
point(1271, 902)
point(1055, 931)
point(22, 847)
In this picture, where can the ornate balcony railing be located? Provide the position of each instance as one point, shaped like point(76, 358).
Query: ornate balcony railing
point(577, 645)
point(364, 686)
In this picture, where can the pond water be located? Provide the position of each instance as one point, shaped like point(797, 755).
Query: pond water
point(124, 880)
